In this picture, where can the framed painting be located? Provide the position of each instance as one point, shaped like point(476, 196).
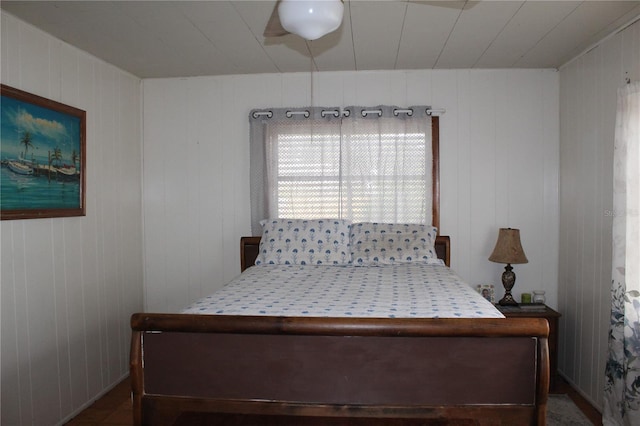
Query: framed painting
point(42, 157)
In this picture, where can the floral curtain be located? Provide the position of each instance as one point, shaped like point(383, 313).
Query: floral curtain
point(622, 385)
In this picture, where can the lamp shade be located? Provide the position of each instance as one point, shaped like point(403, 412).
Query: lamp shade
point(508, 247)
point(310, 19)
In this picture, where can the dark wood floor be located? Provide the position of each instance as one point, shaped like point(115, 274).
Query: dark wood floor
point(114, 408)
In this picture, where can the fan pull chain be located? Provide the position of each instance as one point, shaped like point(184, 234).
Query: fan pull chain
point(311, 70)
point(311, 88)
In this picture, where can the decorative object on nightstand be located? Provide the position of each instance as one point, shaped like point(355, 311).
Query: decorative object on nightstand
point(538, 297)
point(508, 250)
point(486, 290)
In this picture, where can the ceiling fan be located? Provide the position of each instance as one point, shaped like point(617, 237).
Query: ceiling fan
point(312, 19)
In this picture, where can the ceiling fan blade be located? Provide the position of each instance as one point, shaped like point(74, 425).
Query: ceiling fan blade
point(451, 4)
point(274, 27)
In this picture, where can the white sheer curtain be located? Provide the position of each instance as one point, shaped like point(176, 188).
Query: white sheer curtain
point(360, 163)
point(386, 166)
point(303, 168)
point(622, 386)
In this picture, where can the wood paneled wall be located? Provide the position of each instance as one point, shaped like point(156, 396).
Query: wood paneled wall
point(499, 153)
point(69, 285)
point(587, 116)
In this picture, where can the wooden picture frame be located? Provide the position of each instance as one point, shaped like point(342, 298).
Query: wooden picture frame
point(42, 157)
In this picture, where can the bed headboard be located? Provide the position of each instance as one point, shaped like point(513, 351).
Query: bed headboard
point(249, 247)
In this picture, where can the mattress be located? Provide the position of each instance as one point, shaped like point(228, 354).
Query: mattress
point(413, 290)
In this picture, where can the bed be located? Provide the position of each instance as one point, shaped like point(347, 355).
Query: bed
point(266, 369)
point(279, 367)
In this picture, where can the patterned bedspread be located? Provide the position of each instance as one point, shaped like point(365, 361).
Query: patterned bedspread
point(392, 291)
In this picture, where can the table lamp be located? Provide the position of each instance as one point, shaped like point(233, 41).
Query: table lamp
point(508, 250)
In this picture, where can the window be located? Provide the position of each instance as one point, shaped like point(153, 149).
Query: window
point(359, 168)
point(304, 179)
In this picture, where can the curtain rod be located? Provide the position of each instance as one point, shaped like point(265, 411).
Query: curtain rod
point(336, 112)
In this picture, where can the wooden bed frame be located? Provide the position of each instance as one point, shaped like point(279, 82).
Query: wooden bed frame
point(244, 370)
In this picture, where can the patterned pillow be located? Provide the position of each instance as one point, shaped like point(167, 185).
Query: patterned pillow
point(388, 243)
point(304, 242)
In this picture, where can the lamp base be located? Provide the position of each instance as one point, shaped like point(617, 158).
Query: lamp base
point(507, 300)
point(508, 280)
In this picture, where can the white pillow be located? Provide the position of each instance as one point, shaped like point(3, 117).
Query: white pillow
point(304, 242)
point(389, 243)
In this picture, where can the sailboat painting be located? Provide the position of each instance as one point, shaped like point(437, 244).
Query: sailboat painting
point(42, 157)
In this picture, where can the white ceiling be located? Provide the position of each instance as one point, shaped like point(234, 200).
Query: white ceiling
point(191, 38)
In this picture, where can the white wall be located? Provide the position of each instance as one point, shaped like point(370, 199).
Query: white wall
point(499, 168)
point(69, 285)
point(587, 115)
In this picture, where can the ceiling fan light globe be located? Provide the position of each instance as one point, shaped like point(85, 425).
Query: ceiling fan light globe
point(310, 19)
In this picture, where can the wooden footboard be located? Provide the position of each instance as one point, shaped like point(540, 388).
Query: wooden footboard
point(273, 370)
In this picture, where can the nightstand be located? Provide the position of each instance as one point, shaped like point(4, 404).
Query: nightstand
point(552, 318)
